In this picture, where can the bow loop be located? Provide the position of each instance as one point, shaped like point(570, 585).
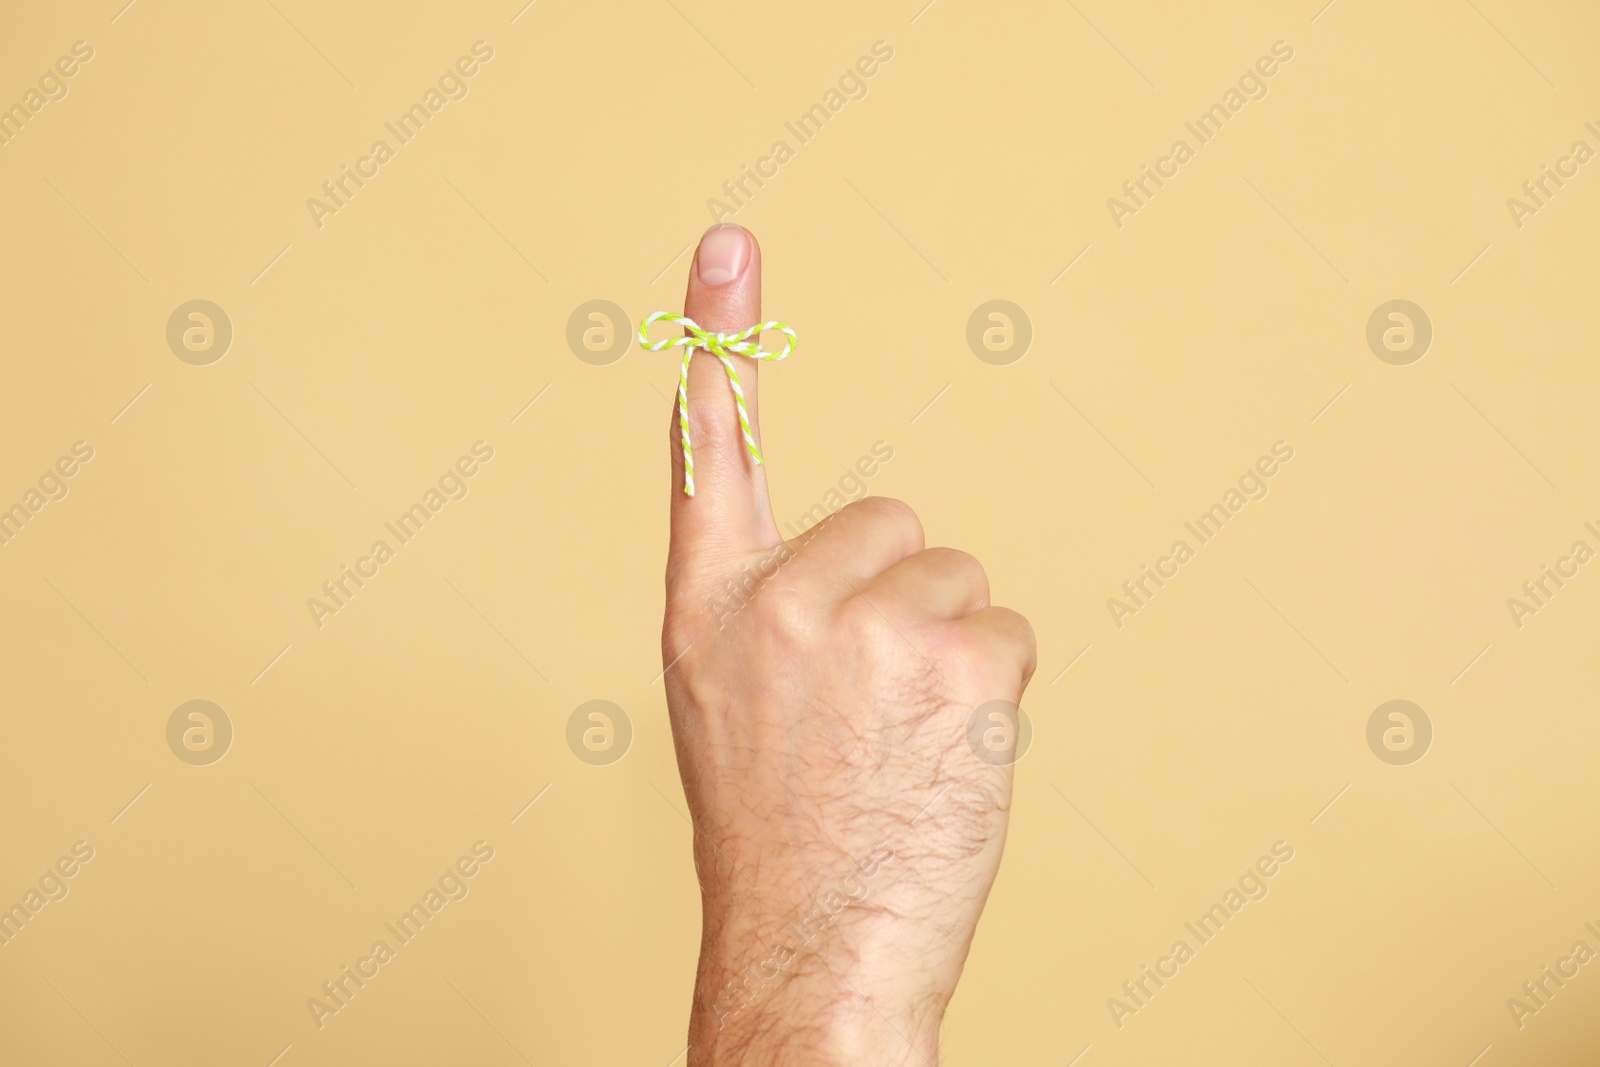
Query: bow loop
point(722, 345)
point(718, 343)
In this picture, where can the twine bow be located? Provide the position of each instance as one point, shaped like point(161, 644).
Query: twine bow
point(721, 345)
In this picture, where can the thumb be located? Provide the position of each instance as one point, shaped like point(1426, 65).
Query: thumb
point(728, 513)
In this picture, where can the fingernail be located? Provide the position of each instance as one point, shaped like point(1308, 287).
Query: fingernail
point(724, 254)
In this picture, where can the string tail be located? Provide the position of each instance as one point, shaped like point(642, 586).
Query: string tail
point(683, 422)
point(744, 414)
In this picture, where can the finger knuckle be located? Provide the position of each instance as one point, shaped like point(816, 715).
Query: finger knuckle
point(786, 615)
point(895, 514)
point(1024, 628)
point(1027, 643)
point(964, 659)
point(997, 646)
point(861, 623)
point(965, 566)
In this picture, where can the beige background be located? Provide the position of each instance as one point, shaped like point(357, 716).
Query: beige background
point(1228, 314)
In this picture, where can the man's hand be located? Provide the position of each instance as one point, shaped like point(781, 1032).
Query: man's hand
point(846, 833)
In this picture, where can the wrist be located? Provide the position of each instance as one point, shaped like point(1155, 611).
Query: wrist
point(792, 993)
point(804, 1021)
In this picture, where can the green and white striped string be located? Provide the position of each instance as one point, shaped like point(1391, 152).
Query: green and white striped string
point(721, 345)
